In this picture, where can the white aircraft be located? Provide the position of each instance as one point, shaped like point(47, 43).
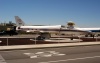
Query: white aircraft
point(50, 29)
point(57, 29)
point(92, 31)
point(84, 31)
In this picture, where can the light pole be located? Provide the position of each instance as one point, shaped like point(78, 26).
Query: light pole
point(35, 40)
point(36, 36)
point(96, 38)
point(7, 41)
point(59, 35)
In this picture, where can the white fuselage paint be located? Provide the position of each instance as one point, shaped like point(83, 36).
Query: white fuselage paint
point(58, 29)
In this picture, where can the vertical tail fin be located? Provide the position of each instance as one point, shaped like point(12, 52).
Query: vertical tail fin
point(19, 22)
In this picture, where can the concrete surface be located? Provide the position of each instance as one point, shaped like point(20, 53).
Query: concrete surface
point(48, 45)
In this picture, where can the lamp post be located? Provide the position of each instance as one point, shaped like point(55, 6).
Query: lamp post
point(35, 40)
point(7, 41)
point(59, 35)
point(96, 38)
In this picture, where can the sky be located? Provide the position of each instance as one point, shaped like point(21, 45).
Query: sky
point(84, 13)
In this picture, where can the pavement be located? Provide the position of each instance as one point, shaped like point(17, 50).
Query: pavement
point(57, 40)
point(32, 46)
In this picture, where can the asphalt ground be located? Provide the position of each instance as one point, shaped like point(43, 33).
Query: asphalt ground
point(80, 54)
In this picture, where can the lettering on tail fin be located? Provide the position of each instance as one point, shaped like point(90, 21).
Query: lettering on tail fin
point(19, 22)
